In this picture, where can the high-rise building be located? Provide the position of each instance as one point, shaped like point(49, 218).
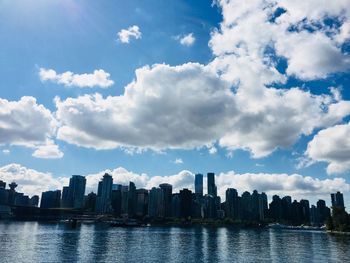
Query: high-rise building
point(232, 205)
point(305, 211)
point(124, 200)
point(141, 202)
point(167, 191)
point(323, 210)
point(132, 198)
point(337, 200)
point(155, 202)
point(185, 203)
point(50, 199)
point(90, 202)
point(77, 191)
point(211, 184)
point(198, 184)
point(104, 195)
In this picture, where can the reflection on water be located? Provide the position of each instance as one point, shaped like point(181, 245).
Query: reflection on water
point(43, 242)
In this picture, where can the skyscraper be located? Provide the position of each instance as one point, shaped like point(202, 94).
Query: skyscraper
point(132, 199)
point(185, 203)
point(337, 200)
point(232, 203)
point(198, 185)
point(155, 202)
point(77, 191)
point(211, 184)
point(167, 191)
point(50, 199)
point(104, 195)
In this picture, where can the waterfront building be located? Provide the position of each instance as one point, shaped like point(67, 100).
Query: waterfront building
point(246, 206)
point(50, 199)
point(305, 211)
point(212, 190)
point(198, 184)
point(132, 199)
point(124, 200)
point(323, 211)
point(141, 202)
point(275, 209)
point(185, 203)
point(167, 191)
point(155, 202)
point(338, 200)
point(2, 184)
point(104, 195)
point(176, 205)
point(73, 197)
point(90, 202)
point(232, 203)
point(117, 199)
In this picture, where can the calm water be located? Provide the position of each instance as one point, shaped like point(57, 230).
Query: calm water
point(39, 242)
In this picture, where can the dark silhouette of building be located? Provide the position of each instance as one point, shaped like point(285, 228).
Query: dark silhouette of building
point(323, 211)
point(104, 195)
point(155, 203)
point(141, 202)
point(198, 184)
point(132, 198)
point(50, 199)
point(2, 184)
point(73, 195)
point(337, 200)
point(90, 202)
point(185, 203)
point(211, 184)
point(232, 203)
point(167, 192)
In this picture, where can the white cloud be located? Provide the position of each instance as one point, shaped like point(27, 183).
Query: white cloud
point(332, 145)
point(48, 151)
point(189, 106)
point(186, 40)
point(125, 35)
point(300, 34)
point(25, 122)
point(30, 181)
point(99, 78)
point(164, 107)
point(6, 151)
point(178, 161)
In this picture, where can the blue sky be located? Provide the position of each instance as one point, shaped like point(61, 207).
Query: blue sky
point(227, 88)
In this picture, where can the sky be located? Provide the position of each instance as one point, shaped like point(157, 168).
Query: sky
point(156, 91)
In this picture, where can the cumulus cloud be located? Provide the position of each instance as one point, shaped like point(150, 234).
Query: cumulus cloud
point(164, 107)
point(190, 106)
point(331, 145)
point(99, 78)
point(300, 34)
point(30, 181)
point(48, 151)
point(25, 122)
point(186, 40)
point(6, 151)
point(125, 35)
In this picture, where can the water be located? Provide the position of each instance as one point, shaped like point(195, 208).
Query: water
point(43, 242)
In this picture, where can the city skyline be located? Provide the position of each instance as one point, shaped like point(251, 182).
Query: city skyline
point(258, 94)
point(161, 203)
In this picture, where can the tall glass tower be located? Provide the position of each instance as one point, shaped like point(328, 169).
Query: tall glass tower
point(198, 184)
